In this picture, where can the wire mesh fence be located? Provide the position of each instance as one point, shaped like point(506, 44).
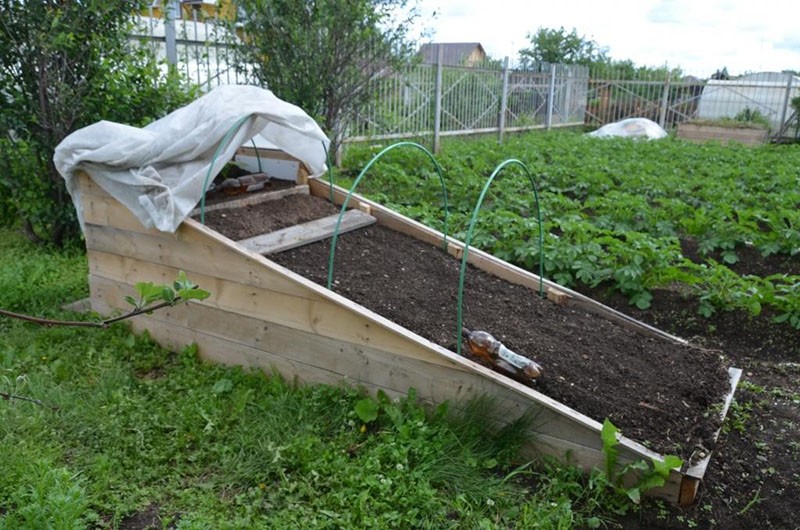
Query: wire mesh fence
point(440, 99)
point(204, 47)
point(669, 98)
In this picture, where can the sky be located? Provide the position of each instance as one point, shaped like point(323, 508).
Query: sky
point(699, 36)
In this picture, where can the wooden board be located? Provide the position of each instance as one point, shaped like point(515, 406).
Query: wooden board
point(311, 356)
point(700, 133)
point(305, 233)
point(254, 198)
point(276, 154)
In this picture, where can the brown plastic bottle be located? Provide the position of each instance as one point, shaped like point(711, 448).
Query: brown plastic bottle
point(484, 345)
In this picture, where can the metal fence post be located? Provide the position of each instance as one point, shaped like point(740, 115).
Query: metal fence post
point(551, 96)
point(662, 115)
point(786, 103)
point(503, 102)
point(170, 14)
point(437, 112)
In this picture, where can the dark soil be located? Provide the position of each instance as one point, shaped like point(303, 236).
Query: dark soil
point(658, 393)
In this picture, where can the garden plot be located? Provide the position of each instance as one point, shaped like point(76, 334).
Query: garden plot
point(666, 395)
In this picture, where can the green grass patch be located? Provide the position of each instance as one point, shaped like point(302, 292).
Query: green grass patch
point(126, 427)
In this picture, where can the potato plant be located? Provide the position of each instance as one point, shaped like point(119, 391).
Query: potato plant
point(616, 212)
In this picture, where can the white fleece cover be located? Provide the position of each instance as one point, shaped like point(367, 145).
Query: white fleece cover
point(159, 171)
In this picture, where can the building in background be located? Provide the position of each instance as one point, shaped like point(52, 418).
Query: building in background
point(767, 93)
point(453, 53)
point(205, 35)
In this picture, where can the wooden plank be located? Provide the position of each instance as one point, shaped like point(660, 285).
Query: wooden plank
point(126, 255)
point(302, 171)
point(558, 297)
point(305, 233)
point(700, 133)
point(259, 286)
point(101, 209)
point(113, 292)
point(106, 211)
point(88, 186)
point(254, 198)
point(313, 316)
point(552, 433)
point(699, 470)
point(129, 270)
point(264, 152)
point(385, 216)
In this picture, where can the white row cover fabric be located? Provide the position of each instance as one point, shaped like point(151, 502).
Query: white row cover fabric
point(631, 128)
point(159, 171)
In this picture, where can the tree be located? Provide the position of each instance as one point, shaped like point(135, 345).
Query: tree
point(556, 46)
point(63, 65)
point(322, 54)
point(721, 74)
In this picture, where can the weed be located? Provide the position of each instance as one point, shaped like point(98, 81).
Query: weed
point(757, 498)
point(737, 417)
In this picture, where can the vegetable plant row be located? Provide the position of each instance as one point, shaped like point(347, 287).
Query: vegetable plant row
point(615, 212)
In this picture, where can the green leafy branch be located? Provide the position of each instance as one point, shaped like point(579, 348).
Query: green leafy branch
point(651, 475)
point(152, 297)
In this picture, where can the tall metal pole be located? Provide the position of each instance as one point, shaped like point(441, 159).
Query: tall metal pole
point(503, 101)
point(437, 116)
point(786, 100)
point(170, 14)
point(662, 115)
point(551, 96)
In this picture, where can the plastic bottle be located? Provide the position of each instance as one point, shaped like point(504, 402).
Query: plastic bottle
point(484, 345)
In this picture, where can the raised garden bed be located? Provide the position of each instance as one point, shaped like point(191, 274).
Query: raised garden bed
point(700, 132)
point(665, 395)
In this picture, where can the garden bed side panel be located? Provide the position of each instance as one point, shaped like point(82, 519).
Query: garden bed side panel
point(262, 315)
point(700, 133)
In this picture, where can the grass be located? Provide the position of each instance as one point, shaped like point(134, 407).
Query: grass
point(127, 428)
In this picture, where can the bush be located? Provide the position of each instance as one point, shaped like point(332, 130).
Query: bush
point(77, 66)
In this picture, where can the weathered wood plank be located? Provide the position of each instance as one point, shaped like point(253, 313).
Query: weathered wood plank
point(124, 255)
point(700, 133)
point(254, 198)
point(305, 233)
point(102, 209)
point(277, 154)
point(106, 211)
point(385, 217)
point(318, 316)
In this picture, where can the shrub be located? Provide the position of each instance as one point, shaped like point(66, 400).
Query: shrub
point(64, 65)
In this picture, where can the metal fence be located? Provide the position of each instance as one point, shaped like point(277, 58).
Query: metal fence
point(202, 47)
point(439, 100)
point(766, 98)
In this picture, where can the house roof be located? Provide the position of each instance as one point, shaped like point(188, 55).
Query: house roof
point(453, 53)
